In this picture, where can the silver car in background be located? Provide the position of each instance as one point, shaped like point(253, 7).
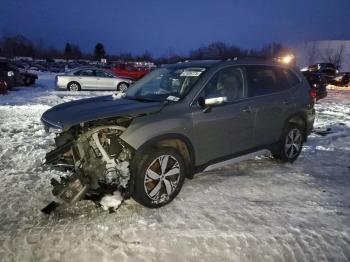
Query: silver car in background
point(91, 78)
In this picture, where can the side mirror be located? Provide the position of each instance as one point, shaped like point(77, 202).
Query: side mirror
point(215, 101)
point(207, 103)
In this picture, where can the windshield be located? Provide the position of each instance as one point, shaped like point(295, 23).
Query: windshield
point(165, 84)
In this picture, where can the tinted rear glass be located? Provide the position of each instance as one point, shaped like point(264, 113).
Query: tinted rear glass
point(264, 80)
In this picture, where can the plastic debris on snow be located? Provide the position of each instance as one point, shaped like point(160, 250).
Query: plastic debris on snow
point(112, 201)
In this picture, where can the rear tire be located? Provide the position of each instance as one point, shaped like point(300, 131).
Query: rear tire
point(159, 177)
point(74, 86)
point(290, 145)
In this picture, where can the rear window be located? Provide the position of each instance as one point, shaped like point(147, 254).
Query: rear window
point(85, 72)
point(263, 80)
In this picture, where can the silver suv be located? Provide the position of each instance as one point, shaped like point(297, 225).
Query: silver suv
point(175, 122)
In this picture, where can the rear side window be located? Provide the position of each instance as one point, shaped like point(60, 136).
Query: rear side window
point(263, 80)
point(291, 78)
point(101, 73)
point(85, 72)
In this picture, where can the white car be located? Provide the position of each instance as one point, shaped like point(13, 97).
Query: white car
point(91, 78)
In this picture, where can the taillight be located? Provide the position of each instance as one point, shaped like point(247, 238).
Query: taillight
point(313, 94)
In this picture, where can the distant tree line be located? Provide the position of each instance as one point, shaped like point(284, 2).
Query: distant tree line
point(19, 45)
point(330, 54)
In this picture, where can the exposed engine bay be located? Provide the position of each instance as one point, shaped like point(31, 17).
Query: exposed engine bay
point(96, 159)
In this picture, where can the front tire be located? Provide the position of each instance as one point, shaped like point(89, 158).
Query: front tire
point(74, 86)
point(159, 177)
point(290, 145)
point(122, 87)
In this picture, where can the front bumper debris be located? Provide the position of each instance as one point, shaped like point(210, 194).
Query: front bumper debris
point(97, 162)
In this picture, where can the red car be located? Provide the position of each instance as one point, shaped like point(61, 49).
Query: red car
point(130, 71)
point(3, 87)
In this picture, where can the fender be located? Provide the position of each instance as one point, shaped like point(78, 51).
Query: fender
point(301, 115)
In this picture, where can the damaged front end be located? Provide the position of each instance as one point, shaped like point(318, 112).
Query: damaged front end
point(96, 158)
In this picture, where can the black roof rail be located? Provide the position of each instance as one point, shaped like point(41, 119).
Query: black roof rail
point(249, 57)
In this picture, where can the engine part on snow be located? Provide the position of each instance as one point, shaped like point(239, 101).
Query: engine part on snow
point(70, 189)
point(323, 131)
point(50, 207)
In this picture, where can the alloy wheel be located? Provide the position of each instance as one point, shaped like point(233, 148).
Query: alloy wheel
point(123, 87)
point(293, 143)
point(162, 178)
point(74, 87)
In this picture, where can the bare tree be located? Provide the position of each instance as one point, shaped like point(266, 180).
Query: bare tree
point(311, 52)
point(67, 51)
point(17, 45)
point(99, 51)
point(334, 55)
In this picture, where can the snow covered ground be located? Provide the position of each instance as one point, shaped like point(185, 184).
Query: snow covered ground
point(256, 210)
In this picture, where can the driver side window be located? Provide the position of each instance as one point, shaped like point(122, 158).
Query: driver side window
point(228, 82)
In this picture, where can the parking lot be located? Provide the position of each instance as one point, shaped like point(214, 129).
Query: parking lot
point(257, 209)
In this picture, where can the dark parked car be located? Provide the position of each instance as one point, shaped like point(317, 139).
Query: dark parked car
point(15, 77)
point(176, 121)
point(342, 79)
point(329, 70)
point(318, 83)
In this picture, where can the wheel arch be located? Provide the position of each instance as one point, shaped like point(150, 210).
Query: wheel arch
point(178, 142)
point(300, 120)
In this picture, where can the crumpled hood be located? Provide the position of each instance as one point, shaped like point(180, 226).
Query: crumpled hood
point(68, 114)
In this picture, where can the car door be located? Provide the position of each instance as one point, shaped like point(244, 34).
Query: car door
point(225, 129)
point(105, 80)
point(86, 78)
point(272, 96)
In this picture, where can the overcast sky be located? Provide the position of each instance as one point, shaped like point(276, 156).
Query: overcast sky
point(163, 26)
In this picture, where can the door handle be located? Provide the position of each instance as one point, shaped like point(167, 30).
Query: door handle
point(246, 109)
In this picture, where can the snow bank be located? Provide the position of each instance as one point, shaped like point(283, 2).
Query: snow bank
point(344, 88)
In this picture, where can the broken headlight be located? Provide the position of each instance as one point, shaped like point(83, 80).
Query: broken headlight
point(54, 130)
